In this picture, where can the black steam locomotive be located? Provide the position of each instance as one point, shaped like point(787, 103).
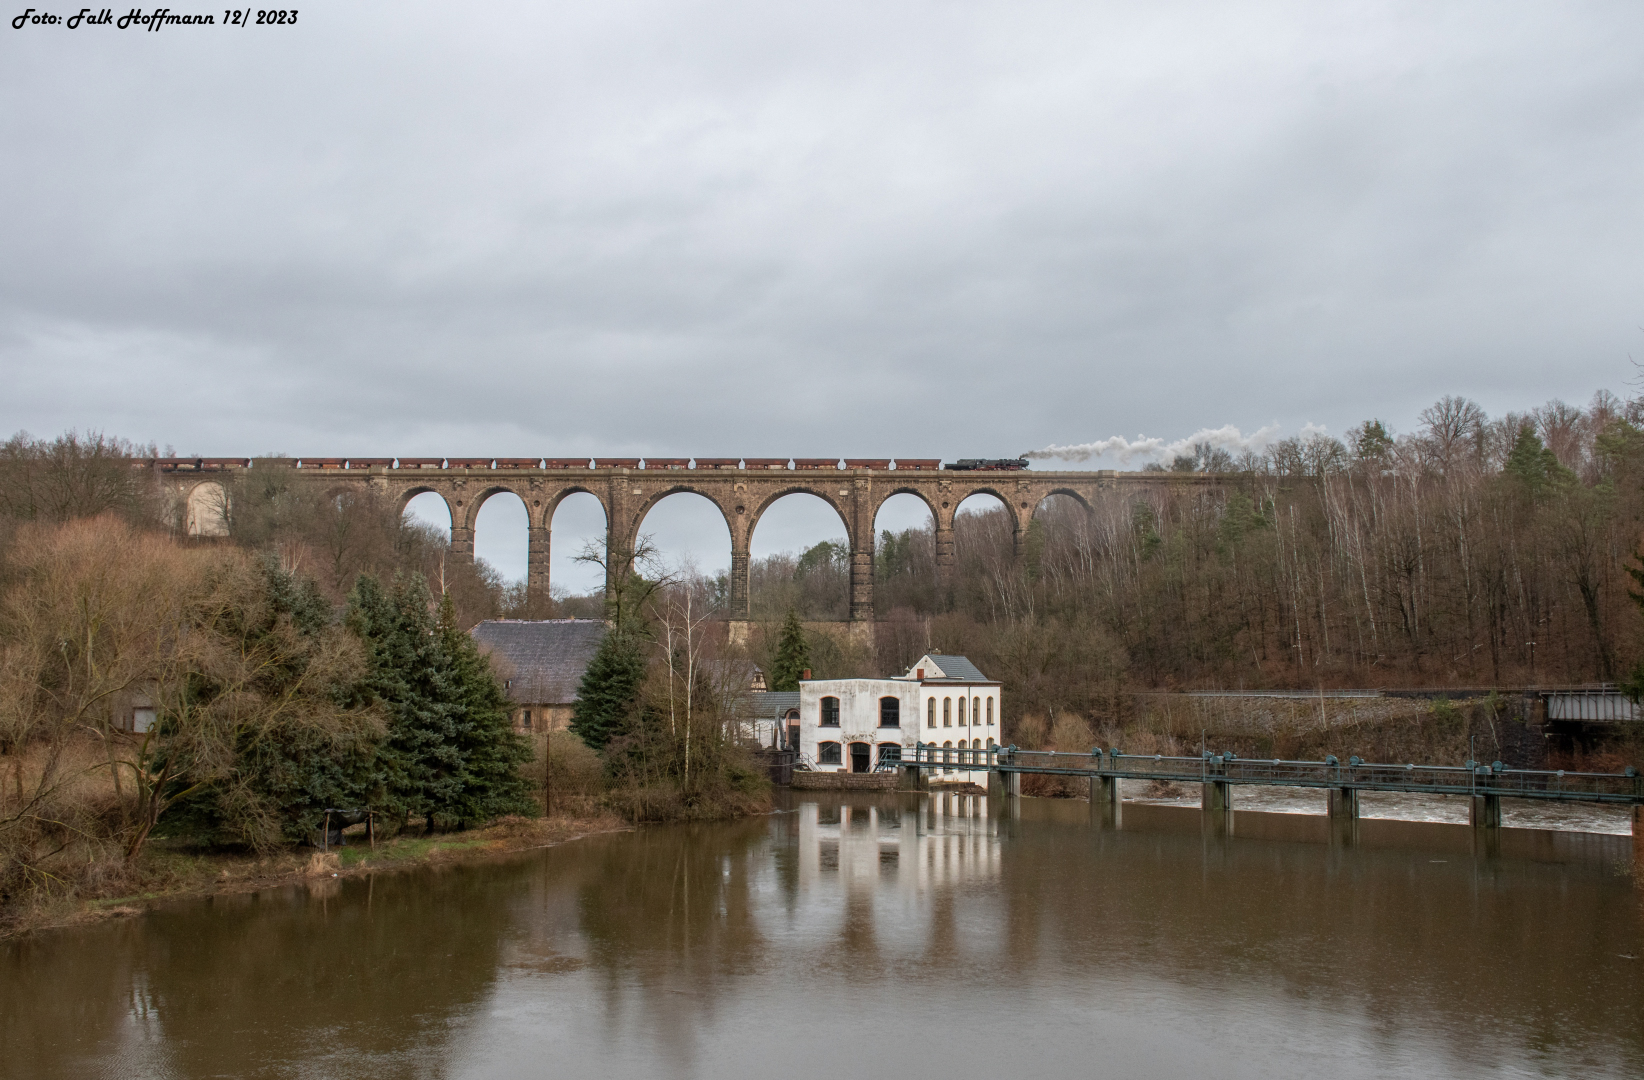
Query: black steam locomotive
point(988, 464)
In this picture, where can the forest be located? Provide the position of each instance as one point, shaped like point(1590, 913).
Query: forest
point(1470, 553)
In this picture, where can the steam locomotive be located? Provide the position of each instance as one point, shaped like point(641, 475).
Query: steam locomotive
point(988, 464)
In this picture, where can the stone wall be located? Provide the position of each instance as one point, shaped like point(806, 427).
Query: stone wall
point(804, 780)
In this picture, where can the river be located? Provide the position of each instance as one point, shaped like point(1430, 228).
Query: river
point(883, 936)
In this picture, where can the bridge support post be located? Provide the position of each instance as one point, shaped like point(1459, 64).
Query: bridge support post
point(1012, 782)
point(462, 543)
point(1638, 839)
point(1216, 803)
point(536, 572)
point(1343, 802)
point(1485, 812)
point(913, 778)
point(1343, 805)
point(1105, 805)
point(945, 561)
point(738, 609)
point(862, 586)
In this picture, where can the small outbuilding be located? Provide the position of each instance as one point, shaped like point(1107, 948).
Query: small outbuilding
point(541, 663)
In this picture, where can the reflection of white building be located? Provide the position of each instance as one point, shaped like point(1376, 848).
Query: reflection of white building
point(948, 839)
point(852, 725)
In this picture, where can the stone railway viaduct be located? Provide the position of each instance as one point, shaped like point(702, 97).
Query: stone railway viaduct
point(742, 489)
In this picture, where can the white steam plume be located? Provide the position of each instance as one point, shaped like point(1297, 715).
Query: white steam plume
point(1226, 437)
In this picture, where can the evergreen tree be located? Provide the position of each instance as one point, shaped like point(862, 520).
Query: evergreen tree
point(610, 688)
point(1533, 465)
point(420, 760)
point(491, 750)
point(793, 655)
point(450, 753)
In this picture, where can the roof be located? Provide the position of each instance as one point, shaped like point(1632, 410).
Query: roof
point(958, 668)
point(542, 661)
point(766, 704)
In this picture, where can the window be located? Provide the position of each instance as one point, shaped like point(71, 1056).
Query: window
point(827, 753)
point(890, 712)
point(990, 714)
point(930, 713)
point(947, 712)
point(526, 717)
point(961, 712)
point(830, 712)
point(889, 751)
point(990, 740)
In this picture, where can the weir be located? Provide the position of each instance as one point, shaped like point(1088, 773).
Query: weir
point(1218, 774)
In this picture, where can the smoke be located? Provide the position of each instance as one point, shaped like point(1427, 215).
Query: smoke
point(1124, 451)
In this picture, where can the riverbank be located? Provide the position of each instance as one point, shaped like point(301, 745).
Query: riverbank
point(169, 873)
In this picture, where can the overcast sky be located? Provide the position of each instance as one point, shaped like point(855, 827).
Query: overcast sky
point(956, 229)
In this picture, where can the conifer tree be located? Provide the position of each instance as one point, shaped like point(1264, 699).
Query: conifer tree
point(793, 655)
point(491, 751)
point(450, 752)
point(419, 759)
point(609, 690)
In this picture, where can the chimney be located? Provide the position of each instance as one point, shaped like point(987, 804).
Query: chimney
point(919, 673)
point(806, 674)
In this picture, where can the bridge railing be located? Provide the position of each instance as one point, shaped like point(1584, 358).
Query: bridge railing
point(1472, 778)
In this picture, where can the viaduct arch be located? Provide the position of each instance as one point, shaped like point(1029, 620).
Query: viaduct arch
point(627, 492)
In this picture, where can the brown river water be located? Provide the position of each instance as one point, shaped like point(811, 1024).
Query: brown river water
point(889, 936)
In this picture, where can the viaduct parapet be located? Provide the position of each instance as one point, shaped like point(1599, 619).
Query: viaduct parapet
point(742, 489)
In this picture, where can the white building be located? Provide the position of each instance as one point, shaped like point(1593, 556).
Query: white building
point(851, 725)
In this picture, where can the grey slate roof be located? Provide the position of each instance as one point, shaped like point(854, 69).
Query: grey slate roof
point(960, 668)
point(542, 661)
point(768, 704)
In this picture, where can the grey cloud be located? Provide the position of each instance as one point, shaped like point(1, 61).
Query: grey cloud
point(744, 228)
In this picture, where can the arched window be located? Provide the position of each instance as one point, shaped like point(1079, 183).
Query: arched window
point(890, 712)
point(889, 751)
point(990, 714)
point(961, 712)
point(947, 712)
point(830, 712)
point(827, 753)
point(976, 712)
point(930, 713)
point(990, 740)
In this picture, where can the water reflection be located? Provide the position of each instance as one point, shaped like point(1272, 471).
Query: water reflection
point(820, 940)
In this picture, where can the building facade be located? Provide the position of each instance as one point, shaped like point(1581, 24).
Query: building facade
point(854, 725)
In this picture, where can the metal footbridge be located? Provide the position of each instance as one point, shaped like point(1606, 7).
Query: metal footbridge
point(1485, 784)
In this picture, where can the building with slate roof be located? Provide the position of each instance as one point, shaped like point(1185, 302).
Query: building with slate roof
point(854, 725)
point(541, 665)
